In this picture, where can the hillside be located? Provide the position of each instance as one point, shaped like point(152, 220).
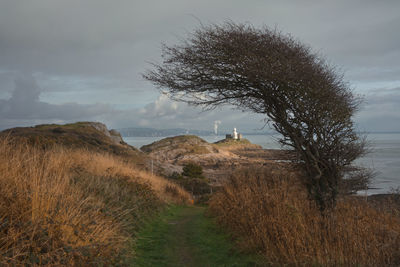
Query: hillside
point(178, 147)
point(70, 196)
point(218, 159)
point(146, 132)
point(75, 195)
point(232, 144)
point(93, 136)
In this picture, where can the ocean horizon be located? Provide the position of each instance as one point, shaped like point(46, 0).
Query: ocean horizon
point(383, 159)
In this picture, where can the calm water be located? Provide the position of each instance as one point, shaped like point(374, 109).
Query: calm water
point(384, 158)
point(266, 141)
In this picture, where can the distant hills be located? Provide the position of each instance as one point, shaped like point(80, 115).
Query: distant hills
point(152, 132)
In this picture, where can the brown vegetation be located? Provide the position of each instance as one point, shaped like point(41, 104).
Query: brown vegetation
point(178, 147)
point(232, 144)
point(75, 207)
point(169, 155)
point(93, 136)
point(269, 211)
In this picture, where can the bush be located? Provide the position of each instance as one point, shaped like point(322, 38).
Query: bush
point(192, 170)
point(269, 211)
point(196, 186)
point(175, 176)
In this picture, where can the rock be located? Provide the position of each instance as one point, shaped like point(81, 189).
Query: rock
point(116, 136)
point(100, 127)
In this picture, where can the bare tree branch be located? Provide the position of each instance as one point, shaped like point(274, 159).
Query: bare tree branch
point(267, 72)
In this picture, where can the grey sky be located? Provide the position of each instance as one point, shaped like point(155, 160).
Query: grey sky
point(69, 60)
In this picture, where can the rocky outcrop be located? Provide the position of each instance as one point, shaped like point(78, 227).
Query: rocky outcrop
point(91, 135)
point(113, 134)
point(179, 147)
point(116, 136)
point(217, 160)
point(98, 126)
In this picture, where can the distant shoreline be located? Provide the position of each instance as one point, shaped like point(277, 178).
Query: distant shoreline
point(196, 132)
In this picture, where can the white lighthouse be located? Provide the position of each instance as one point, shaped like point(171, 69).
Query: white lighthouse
point(235, 134)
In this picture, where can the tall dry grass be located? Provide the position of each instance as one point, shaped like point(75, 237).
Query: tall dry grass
point(72, 207)
point(269, 212)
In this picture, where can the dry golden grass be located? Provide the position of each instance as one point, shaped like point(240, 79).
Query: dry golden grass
point(269, 212)
point(232, 145)
point(73, 207)
point(110, 165)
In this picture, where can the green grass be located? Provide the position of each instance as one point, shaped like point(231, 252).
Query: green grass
point(181, 141)
point(229, 142)
point(183, 236)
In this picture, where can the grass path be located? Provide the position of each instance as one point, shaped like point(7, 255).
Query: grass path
point(183, 236)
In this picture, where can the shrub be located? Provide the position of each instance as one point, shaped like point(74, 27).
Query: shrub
point(192, 170)
point(175, 176)
point(196, 186)
point(269, 211)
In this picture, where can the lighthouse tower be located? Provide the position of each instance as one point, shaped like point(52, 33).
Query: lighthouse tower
point(235, 134)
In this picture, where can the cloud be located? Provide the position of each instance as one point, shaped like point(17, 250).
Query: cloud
point(115, 39)
point(380, 110)
point(164, 113)
point(162, 107)
point(93, 51)
point(24, 106)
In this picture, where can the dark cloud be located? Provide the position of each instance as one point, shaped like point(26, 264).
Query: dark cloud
point(115, 38)
point(93, 51)
point(24, 106)
point(380, 111)
point(164, 113)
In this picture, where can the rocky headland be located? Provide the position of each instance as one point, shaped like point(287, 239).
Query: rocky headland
point(218, 159)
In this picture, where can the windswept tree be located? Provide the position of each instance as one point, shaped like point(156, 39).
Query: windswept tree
point(267, 72)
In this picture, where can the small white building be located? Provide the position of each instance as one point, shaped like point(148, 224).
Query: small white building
point(235, 135)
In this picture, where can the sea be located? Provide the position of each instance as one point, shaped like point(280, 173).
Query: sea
point(383, 159)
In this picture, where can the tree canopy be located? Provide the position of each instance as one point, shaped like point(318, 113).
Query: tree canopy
point(264, 71)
